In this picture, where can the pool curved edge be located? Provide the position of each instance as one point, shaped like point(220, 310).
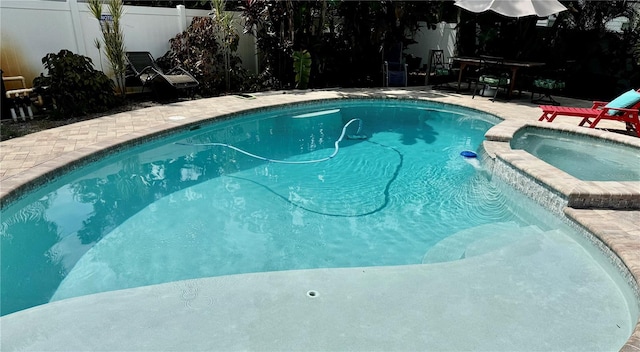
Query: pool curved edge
point(614, 228)
point(607, 213)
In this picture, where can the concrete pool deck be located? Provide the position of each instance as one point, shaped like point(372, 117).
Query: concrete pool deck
point(32, 157)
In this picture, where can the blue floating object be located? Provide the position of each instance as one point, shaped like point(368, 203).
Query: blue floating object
point(468, 154)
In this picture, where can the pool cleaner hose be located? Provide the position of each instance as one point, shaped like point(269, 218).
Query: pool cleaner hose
point(335, 152)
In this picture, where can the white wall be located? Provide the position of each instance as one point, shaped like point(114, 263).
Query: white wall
point(28, 33)
point(616, 24)
point(443, 37)
point(30, 29)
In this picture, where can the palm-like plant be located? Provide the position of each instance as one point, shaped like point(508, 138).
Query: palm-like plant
point(225, 34)
point(302, 68)
point(113, 38)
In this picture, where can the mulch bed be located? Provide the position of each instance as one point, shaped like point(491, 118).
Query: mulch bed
point(12, 129)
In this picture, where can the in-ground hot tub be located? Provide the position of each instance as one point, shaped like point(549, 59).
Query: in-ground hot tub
point(585, 157)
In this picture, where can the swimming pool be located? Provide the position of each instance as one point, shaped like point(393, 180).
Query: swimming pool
point(586, 158)
point(402, 196)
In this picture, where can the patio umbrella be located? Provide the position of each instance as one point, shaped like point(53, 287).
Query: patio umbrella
point(513, 8)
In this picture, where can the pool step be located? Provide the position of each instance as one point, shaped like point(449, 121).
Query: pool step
point(477, 241)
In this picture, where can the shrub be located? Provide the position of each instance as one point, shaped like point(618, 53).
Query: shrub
point(198, 51)
point(76, 87)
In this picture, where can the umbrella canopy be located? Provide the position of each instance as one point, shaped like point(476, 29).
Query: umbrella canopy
point(513, 8)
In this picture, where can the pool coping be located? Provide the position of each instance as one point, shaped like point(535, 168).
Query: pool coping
point(615, 228)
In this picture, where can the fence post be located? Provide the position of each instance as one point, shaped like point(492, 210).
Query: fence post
point(77, 27)
point(182, 18)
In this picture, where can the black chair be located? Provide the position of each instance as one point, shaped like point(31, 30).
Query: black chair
point(550, 80)
point(143, 70)
point(493, 74)
point(440, 72)
point(394, 69)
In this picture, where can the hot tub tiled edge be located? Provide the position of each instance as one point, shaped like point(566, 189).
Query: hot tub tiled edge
point(579, 194)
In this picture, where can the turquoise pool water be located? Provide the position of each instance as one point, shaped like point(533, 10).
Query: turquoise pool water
point(174, 209)
point(585, 158)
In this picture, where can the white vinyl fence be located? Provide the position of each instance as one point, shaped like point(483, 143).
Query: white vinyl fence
point(30, 29)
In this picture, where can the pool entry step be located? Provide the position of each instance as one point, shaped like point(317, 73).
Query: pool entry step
point(480, 240)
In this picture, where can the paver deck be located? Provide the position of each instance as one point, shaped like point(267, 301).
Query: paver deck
point(33, 157)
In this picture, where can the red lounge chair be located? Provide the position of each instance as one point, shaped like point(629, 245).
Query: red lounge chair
point(624, 108)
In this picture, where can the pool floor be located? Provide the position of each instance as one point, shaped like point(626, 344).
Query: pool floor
point(378, 308)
